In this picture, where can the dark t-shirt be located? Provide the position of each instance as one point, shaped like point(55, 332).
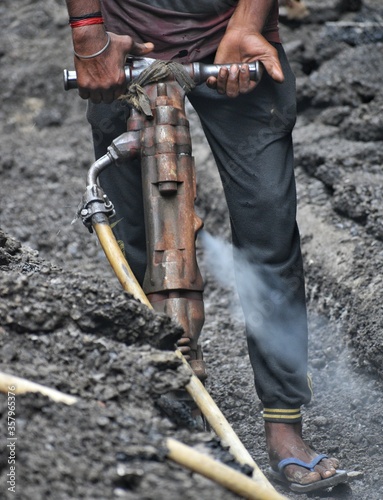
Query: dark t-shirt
point(181, 30)
point(193, 6)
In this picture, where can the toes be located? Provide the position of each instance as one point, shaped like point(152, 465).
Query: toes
point(297, 474)
point(335, 462)
point(310, 477)
point(327, 467)
point(325, 473)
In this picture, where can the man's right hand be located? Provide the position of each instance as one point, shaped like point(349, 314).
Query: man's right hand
point(102, 78)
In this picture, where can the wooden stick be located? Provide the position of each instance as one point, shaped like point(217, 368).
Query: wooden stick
point(218, 472)
point(223, 429)
point(23, 386)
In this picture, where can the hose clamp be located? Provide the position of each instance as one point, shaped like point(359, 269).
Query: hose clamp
point(94, 201)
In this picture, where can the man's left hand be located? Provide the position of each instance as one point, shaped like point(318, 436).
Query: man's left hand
point(239, 48)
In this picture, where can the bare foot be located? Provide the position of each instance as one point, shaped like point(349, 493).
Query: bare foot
point(285, 441)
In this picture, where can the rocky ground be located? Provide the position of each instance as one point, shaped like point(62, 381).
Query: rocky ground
point(66, 323)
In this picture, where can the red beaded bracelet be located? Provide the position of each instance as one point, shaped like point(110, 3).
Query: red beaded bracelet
point(86, 22)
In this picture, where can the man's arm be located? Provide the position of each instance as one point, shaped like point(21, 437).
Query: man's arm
point(100, 78)
point(243, 42)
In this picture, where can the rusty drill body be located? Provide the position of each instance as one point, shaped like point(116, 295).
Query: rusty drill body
point(173, 282)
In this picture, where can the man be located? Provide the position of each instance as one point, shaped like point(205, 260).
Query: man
point(255, 160)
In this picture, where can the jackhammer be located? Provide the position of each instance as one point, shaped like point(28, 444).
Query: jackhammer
point(158, 134)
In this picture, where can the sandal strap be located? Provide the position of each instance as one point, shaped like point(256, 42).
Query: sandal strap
point(295, 461)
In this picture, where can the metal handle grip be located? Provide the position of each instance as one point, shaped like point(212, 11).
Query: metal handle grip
point(200, 72)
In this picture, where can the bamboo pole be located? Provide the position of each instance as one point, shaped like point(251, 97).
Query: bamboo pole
point(223, 429)
point(23, 386)
point(220, 473)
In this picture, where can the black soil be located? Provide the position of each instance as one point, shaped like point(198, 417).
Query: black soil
point(66, 323)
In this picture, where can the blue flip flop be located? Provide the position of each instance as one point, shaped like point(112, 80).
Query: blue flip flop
point(339, 477)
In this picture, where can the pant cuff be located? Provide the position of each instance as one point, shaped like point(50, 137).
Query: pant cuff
point(282, 415)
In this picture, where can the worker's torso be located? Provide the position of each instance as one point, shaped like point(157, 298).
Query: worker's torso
point(183, 30)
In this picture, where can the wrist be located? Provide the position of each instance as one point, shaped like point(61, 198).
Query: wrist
point(95, 54)
point(89, 38)
point(244, 30)
point(251, 16)
point(244, 27)
point(79, 8)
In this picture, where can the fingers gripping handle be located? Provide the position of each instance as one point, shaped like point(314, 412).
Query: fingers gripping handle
point(70, 77)
point(200, 72)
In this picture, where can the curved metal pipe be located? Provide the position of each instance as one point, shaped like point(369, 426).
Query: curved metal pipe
point(97, 167)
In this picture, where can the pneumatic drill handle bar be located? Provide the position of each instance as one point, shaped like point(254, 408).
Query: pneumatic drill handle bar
point(199, 72)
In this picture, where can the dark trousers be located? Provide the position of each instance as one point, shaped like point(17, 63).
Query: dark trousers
point(250, 138)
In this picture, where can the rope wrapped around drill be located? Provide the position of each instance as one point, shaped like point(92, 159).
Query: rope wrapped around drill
point(159, 70)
